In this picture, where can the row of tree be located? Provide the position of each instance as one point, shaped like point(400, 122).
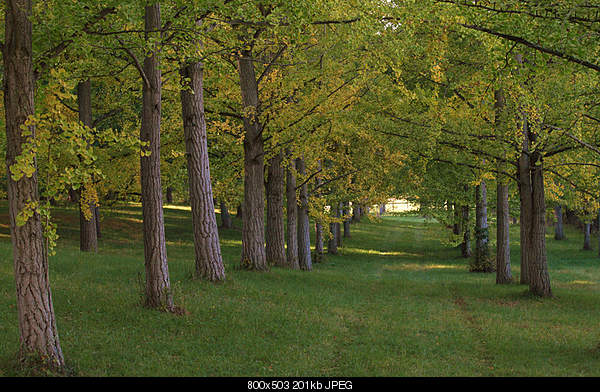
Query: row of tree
point(314, 109)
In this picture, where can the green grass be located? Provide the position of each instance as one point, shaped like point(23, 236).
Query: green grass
point(396, 301)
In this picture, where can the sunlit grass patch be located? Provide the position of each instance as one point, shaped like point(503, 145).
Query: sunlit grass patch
point(230, 242)
point(374, 252)
point(420, 267)
point(179, 208)
point(582, 282)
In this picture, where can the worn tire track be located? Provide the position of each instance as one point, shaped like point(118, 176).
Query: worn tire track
point(473, 324)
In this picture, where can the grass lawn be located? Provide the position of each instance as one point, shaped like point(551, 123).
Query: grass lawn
point(396, 301)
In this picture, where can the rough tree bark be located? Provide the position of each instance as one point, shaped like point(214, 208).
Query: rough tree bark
point(253, 225)
point(538, 264)
point(158, 286)
point(318, 242)
point(209, 262)
point(275, 247)
point(304, 257)
point(525, 192)
point(534, 264)
point(465, 246)
point(319, 247)
point(503, 270)
point(481, 261)
point(292, 218)
point(88, 239)
point(37, 323)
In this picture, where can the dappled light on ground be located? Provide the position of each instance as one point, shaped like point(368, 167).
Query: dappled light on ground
point(176, 207)
point(420, 267)
point(379, 252)
point(582, 282)
point(231, 242)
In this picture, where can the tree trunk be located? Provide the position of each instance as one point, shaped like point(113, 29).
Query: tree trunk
point(318, 242)
point(332, 247)
point(37, 323)
point(456, 225)
point(534, 264)
point(538, 264)
point(226, 221)
point(356, 212)
point(559, 232)
point(503, 272)
point(238, 212)
point(209, 262)
point(253, 226)
point(73, 196)
point(332, 244)
point(482, 261)
point(599, 233)
point(158, 286)
point(526, 218)
point(88, 239)
point(169, 195)
point(304, 257)
point(338, 226)
point(586, 236)
point(318, 224)
point(466, 244)
point(97, 220)
point(291, 219)
point(346, 212)
point(275, 248)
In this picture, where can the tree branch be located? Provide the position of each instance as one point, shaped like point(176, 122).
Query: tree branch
point(136, 62)
point(537, 47)
point(268, 67)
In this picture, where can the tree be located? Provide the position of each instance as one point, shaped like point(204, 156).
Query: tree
point(503, 271)
point(291, 218)
point(482, 261)
point(253, 235)
point(158, 285)
point(209, 262)
point(37, 321)
point(304, 256)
